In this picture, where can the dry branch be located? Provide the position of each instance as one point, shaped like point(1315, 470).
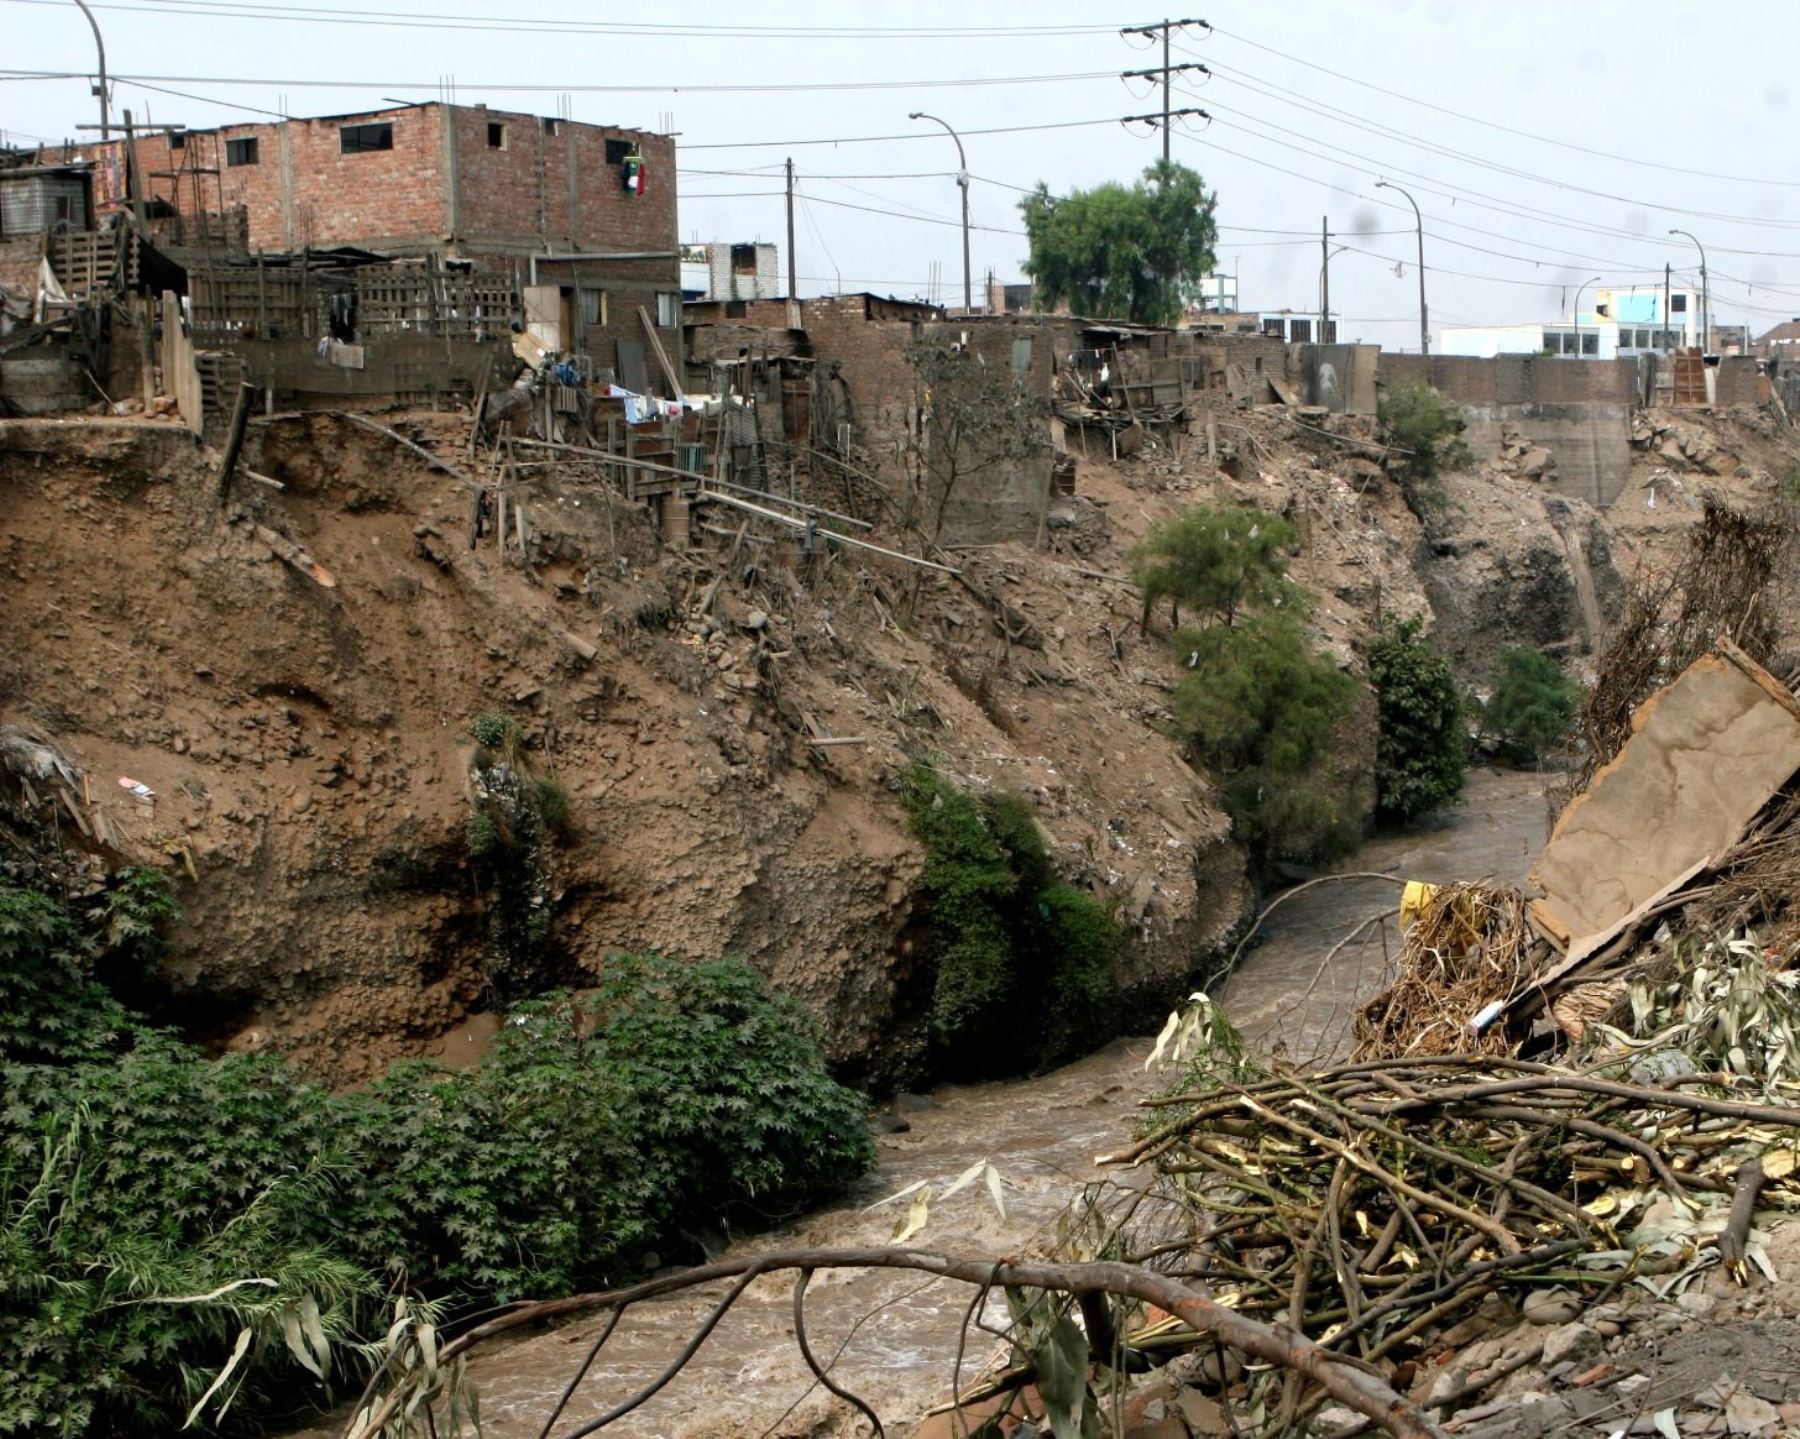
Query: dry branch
point(1343, 1377)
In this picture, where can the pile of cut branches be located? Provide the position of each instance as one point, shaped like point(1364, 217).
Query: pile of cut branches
point(1371, 1206)
point(1470, 946)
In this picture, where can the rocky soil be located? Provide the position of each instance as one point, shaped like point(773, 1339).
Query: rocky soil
point(308, 747)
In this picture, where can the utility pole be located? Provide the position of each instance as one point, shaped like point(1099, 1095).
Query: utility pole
point(99, 89)
point(793, 292)
point(1419, 220)
point(1324, 277)
point(1665, 310)
point(1166, 72)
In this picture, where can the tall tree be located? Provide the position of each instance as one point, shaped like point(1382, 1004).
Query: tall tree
point(1134, 251)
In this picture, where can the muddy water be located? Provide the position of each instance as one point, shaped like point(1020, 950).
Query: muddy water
point(898, 1334)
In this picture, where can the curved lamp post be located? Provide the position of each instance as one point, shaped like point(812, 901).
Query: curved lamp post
point(100, 89)
point(1584, 284)
point(1705, 295)
point(962, 179)
point(1419, 220)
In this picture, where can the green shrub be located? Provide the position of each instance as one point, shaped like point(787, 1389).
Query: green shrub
point(152, 1207)
point(1533, 704)
point(968, 885)
point(1020, 954)
point(483, 834)
point(494, 731)
point(1423, 745)
point(156, 1204)
point(1260, 708)
point(551, 798)
point(1219, 561)
point(1429, 425)
point(734, 1104)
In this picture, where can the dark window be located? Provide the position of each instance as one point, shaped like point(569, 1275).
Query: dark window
point(496, 135)
point(1590, 343)
point(178, 140)
point(241, 151)
point(1300, 331)
point(736, 310)
point(361, 139)
point(743, 259)
point(616, 151)
point(1678, 304)
point(552, 126)
point(64, 209)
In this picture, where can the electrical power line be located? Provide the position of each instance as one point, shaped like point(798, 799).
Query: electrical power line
point(331, 15)
point(560, 88)
point(1343, 117)
point(1494, 124)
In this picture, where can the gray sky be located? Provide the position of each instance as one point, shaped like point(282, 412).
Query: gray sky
point(1699, 97)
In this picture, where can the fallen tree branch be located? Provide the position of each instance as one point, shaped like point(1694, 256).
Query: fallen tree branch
point(1341, 1376)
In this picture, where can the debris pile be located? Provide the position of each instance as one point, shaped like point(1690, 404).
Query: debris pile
point(1397, 1211)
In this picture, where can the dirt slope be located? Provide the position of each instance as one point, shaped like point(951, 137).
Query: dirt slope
point(308, 746)
point(309, 749)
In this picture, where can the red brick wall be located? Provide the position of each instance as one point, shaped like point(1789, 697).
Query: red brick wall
point(557, 189)
point(512, 200)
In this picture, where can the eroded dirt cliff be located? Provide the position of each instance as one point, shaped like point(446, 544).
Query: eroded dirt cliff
point(309, 749)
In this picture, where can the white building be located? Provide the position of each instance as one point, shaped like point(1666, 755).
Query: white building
point(1623, 321)
point(721, 271)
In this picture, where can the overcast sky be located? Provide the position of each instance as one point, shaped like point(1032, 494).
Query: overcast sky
point(1546, 143)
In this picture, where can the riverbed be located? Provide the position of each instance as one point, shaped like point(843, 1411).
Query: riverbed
point(899, 1334)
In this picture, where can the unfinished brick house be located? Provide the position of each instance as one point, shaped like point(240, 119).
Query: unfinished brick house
point(585, 213)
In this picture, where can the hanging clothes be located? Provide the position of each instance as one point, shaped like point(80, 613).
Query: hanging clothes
point(631, 174)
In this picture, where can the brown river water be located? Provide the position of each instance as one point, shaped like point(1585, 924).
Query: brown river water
point(898, 1332)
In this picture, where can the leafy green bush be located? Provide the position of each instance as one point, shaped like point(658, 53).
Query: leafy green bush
point(493, 730)
point(162, 1212)
point(1260, 708)
point(1018, 951)
point(1423, 745)
point(1217, 560)
point(152, 1209)
point(968, 885)
point(551, 797)
point(1533, 704)
point(733, 1101)
point(1429, 425)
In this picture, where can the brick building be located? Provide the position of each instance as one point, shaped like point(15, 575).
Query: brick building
point(588, 209)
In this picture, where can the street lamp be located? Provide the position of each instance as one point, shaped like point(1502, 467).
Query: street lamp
point(1419, 220)
point(1584, 284)
point(962, 178)
point(1705, 296)
point(100, 89)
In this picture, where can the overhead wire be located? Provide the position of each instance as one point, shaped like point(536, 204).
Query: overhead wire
point(1337, 115)
point(337, 15)
point(1494, 124)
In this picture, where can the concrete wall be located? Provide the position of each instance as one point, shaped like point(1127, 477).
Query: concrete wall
point(1741, 380)
point(1515, 379)
point(1579, 410)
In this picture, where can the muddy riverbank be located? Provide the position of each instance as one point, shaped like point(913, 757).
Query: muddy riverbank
point(899, 1334)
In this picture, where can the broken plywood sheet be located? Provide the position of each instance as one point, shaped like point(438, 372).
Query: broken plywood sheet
point(1706, 754)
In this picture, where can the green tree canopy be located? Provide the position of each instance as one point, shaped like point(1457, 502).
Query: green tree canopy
point(1423, 745)
point(1220, 559)
point(1136, 251)
point(1534, 703)
point(1260, 707)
